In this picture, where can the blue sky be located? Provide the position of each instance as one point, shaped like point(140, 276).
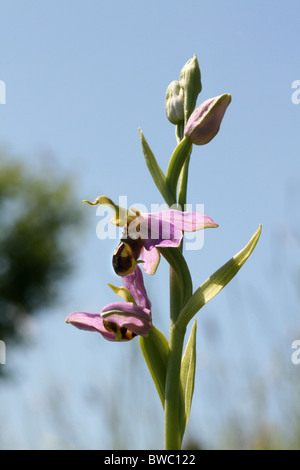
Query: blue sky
point(81, 78)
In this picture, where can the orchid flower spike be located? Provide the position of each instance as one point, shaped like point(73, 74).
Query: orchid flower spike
point(120, 321)
point(144, 232)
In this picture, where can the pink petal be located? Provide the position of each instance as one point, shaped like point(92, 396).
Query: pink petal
point(90, 322)
point(127, 308)
point(151, 260)
point(135, 284)
point(186, 221)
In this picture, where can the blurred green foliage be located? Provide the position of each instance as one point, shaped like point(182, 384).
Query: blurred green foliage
point(37, 214)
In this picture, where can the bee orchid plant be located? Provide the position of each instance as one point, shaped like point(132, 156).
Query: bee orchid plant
point(146, 237)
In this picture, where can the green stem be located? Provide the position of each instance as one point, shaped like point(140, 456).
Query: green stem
point(179, 132)
point(173, 437)
point(182, 191)
point(173, 432)
point(184, 284)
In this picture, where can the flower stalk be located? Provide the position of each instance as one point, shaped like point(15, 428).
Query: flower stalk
point(172, 432)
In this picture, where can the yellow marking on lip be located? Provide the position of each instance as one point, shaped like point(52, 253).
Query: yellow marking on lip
point(126, 251)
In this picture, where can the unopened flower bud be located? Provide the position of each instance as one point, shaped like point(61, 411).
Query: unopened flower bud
point(190, 82)
point(204, 123)
point(174, 103)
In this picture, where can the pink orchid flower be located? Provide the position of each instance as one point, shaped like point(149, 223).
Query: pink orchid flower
point(120, 321)
point(144, 232)
point(152, 230)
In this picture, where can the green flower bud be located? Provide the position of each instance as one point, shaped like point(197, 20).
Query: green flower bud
point(190, 82)
point(174, 103)
point(205, 121)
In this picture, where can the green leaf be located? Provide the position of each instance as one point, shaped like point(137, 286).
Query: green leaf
point(155, 348)
point(187, 378)
point(177, 160)
point(156, 172)
point(215, 283)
